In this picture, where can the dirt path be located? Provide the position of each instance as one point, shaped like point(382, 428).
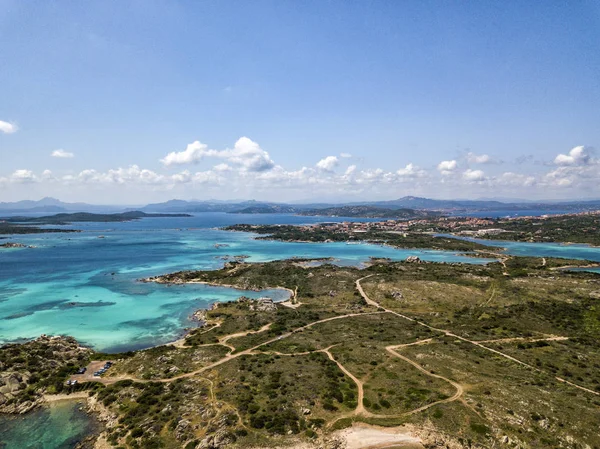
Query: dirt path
point(231, 356)
point(525, 339)
point(473, 342)
point(459, 388)
point(223, 340)
point(360, 408)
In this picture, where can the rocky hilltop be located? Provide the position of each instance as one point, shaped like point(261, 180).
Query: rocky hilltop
point(29, 370)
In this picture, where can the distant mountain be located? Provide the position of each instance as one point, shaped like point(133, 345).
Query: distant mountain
point(369, 212)
point(52, 205)
point(243, 207)
point(267, 209)
point(192, 206)
point(414, 202)
point(48, 205)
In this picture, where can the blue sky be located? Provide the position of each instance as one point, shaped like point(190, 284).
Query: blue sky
point(292, 100)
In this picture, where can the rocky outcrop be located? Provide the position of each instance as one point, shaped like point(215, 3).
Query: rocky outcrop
point(15, 245)
point(413, 259)
point(397, 295)
point(22, 383)
point(263, 304)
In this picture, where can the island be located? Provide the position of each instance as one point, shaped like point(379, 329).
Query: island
point(422, 354)
point(24, 225)
point(390, 233)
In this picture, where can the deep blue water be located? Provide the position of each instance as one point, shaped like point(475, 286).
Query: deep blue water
point(85, 284)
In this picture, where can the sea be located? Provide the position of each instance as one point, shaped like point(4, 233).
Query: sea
point(87, 285)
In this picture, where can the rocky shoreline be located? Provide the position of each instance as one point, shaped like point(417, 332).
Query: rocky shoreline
point(15, 245)
point(23, 383)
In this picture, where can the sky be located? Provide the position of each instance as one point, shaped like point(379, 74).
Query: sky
point(131, 102)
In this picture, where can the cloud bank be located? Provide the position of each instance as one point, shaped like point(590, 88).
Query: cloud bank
point(246, 170)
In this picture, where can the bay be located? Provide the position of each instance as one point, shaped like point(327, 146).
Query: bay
point(86, 284)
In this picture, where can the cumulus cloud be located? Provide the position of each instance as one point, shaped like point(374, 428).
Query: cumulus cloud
point(473, 175)
point(248, 155)
point(411, 171)
point(351, 169)
point(245, 154)
point(62, 154)
point(579, 155)
point(23, 176)
point(345, 155)
point(328, 164)
point(194, 152)
point(447, 167)
point(8, 128)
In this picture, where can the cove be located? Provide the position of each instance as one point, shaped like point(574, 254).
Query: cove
point(59, 426)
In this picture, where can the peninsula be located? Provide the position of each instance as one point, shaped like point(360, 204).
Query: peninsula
point(25, 225)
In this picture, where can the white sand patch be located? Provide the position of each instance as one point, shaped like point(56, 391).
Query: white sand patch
point(361, 436)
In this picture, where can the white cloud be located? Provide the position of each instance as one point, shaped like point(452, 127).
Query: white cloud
point(516, 180)
point(8, 128)
point(447, 167)
point(192, 154)
point(411, 171)
point(47, 176)
point(62, 154)
point(351, 169)
point(479, 158)
point(248, 155)
point(579, 155)
point(245, 154)
point(23, 176)
point(345, 155)
point(473, 175)
point(328, 164)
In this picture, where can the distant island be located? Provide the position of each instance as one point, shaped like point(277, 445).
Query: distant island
point(23, 225)
point(370, 212)
point(357, 211)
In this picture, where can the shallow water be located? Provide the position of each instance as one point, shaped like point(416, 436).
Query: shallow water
point(60, 426)
point(85, 284)
point(560, 250)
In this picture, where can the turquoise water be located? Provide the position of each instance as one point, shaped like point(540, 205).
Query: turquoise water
point(60, 426)
point(82, 285)
point(560, 250)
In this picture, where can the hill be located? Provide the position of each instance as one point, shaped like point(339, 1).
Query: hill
point(368, 212)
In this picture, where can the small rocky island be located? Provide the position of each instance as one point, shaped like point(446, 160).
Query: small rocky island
point(15, 245)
